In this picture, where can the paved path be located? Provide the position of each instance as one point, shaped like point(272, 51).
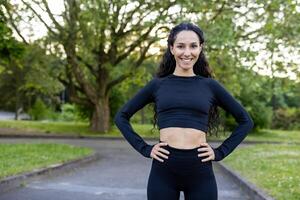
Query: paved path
point(11, 115)
point(120, 174)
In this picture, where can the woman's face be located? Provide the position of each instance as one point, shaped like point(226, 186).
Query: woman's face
point(186, 49)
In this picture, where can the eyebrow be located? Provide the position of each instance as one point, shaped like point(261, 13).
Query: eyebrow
point(185, 43)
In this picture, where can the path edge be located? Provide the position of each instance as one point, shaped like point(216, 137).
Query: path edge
point(20, 180)
point(252, 190)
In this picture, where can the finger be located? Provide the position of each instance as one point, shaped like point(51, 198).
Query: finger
point(204, 144)
point(204, 154)
point(204, 149)
point(157, 158)
point(164, 151)
point(162, 144)
point(207, 159)
point(162, 155)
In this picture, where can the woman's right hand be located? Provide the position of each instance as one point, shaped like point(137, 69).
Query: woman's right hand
point(157, 150)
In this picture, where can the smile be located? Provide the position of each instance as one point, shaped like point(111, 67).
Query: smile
point(185, 59)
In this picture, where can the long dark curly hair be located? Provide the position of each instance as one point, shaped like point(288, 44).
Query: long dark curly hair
point(201, 67)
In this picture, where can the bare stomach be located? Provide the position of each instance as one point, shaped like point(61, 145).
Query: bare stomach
point(182, 138)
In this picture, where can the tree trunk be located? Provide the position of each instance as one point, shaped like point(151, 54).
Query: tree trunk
point(100, 117)
point(17, 107)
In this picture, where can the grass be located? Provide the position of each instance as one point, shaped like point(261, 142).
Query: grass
point(275, 136)
point(273, 167)
point(70, 128)
point(73, 128)
point(19, 158)
point(82, 129)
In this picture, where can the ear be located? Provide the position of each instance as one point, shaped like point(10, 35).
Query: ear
point(201, 46)
point(171, 49)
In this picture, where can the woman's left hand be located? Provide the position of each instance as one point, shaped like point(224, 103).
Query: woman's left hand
point(207, 151)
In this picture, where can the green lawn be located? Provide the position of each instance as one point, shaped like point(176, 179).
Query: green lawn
point(81, 129)
point(71, 128)
point(74, 128)
point(276, 136)
point(273, 167)
point(18, 158)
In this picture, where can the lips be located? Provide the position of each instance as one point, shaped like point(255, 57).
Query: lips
point(186, 60)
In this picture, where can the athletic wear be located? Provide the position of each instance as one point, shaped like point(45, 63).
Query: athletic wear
point(184, 101)
point(182, 171)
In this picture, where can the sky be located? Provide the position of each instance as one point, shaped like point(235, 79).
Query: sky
point(37, 30)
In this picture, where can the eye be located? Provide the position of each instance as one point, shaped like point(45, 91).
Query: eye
point(194, 46)
point(180, 46)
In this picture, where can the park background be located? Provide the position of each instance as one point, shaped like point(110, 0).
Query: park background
point(66, 67)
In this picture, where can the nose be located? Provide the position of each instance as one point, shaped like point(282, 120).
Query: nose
point(187, 52)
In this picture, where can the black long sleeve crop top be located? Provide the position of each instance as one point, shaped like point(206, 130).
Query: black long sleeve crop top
point(184, 101)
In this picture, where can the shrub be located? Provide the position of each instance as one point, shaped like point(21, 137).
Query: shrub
point(70, 112)
point(286, 118)
point(39, 110)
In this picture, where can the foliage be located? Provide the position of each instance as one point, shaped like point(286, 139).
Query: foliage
point(99, 50)
point(286, 118)
point(27, 72)
point(39, 110)
point(10, 48)
point(70, 112)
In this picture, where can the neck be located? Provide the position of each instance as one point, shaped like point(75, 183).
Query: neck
point(184, 73)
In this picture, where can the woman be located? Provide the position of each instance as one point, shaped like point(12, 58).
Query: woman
point(186, 98)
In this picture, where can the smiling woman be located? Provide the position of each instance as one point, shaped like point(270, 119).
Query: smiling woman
point(186, 51)
point(185, 99)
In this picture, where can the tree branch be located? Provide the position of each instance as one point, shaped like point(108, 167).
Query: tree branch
point(127, 19)
point(219, 11)
point(57, 25)
point(81, 101)
point(118, 80)
point(40, 18)
point(89, 66)
point(11, 21)
point(143, 54)
point(68, 84)
point(70, 49)
point(134, 45)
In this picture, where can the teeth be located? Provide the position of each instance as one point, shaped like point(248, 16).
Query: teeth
point(186, 59)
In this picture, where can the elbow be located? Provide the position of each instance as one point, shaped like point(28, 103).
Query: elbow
point(120, 116)
point(117, 118)
point(250, 123)
point(246, 121)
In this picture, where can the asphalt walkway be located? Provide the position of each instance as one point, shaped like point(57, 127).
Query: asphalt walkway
point(120, 174)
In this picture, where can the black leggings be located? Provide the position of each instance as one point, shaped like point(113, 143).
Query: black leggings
point(182, 171)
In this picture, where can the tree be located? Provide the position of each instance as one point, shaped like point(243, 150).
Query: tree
point(10, 53)
point(25, 72)
point(96, 36)
point(95, 39)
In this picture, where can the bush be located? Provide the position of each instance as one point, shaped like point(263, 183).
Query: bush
point(40, 111)
point(71, 112)
point(286, 118)
point(261, 115)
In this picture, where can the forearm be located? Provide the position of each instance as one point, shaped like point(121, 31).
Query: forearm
point(131, 136)
point(236, 137)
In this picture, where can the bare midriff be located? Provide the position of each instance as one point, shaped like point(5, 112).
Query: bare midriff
point(182, 138)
